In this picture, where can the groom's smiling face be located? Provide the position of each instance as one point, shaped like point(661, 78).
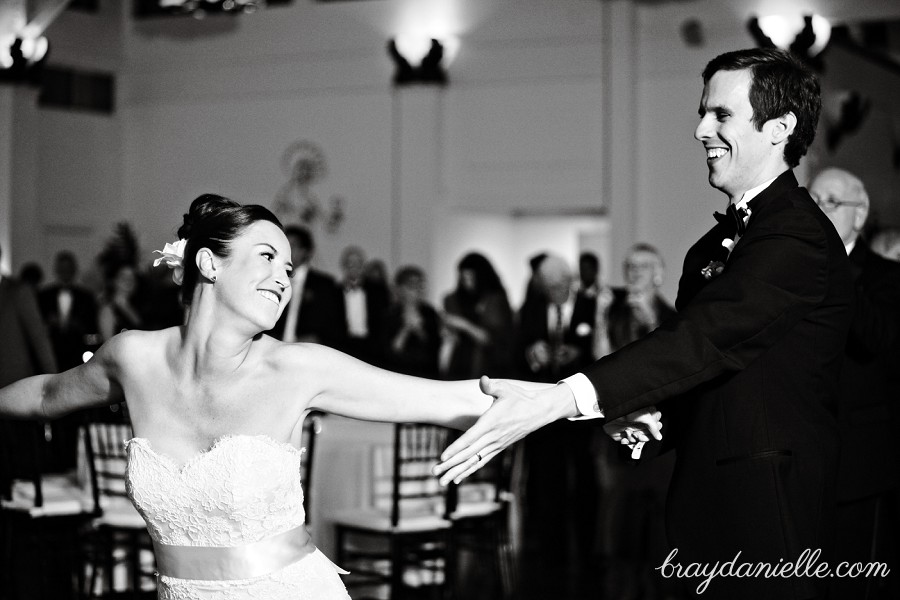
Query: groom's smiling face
point(737, 153)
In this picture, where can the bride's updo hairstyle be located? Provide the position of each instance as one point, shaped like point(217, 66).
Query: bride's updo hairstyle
point(212, 222)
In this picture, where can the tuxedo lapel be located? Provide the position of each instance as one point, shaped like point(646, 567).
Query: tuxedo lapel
point(698, 257)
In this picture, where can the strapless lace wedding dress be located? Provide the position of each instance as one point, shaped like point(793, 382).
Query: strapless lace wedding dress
point(229, 523)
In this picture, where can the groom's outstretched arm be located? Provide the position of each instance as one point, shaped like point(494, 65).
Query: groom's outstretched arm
point(518, 410)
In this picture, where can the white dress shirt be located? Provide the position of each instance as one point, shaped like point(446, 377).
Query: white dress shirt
point(64, 305)
point(355, 301)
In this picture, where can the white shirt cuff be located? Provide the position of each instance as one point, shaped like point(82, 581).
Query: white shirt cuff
point(585, 397)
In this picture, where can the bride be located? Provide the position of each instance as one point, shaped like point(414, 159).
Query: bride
point(214, 404)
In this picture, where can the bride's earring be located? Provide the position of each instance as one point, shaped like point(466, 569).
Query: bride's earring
point(213, 278)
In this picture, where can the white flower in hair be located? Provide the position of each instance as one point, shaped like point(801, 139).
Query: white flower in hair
point(173, 256)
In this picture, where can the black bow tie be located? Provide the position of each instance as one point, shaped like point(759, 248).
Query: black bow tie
point(733, 219)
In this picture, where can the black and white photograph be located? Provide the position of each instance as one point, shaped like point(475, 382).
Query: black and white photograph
point(449, 299)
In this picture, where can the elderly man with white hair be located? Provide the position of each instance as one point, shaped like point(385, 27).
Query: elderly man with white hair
point(868, 469)
point(555, 335)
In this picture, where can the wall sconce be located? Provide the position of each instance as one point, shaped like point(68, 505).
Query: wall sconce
point(21, 60)
point(804, 36)
point(418, 61)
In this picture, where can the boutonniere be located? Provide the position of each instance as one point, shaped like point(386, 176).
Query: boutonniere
point(734, 222)
point(717, 265)
point(583, 329)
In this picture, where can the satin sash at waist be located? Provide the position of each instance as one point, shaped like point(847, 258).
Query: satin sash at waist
point(218, 563)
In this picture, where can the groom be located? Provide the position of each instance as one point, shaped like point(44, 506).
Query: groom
point(747, 368)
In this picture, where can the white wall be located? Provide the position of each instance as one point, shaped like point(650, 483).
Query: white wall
point(211, 105)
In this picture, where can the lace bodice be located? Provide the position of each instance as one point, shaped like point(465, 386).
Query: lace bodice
point(241, 490)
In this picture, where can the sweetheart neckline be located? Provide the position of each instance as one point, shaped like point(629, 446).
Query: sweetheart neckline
point(216, 443)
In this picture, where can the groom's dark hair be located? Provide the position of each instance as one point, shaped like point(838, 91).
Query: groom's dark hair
point(781, 83)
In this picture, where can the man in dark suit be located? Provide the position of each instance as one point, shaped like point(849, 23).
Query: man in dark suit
point(868, 470)
point(555, 325)
point(312, 315)
point(70, 313)
point(555, 333)
point(362, 308)
point(25, 350)
point(749, 365)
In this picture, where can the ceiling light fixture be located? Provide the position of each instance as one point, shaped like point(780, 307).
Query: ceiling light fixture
point(420, 60)
point(21, 59)
point(806, 36)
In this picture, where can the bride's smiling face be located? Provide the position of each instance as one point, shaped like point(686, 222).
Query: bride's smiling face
point(254, 281)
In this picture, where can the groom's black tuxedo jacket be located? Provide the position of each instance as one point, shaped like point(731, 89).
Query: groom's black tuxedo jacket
point(749, 369)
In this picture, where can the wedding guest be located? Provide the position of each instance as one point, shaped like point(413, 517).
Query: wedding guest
point(313, 314)
point(639, 308)
point(532, 287)
point(375, 277)
point(70, 312)
point(886, 243)
point(411, 330)
point(633, 493)
point(554, 341)
point(866, 519)
point(594, 293)
point(160, 302)
point(362, 308)
point(478, 322)
point(588, 274)
point(118, 306)
point(555, 325)
point(26, 350)
point(33, 275)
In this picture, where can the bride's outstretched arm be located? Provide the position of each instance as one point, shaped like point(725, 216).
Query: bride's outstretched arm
point(52, 396)
point(352, 388)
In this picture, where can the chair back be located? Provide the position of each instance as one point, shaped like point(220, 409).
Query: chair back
point(106, 431)
point(312, 427)
point(26, 486)
point(403, 482)
point(21, 459)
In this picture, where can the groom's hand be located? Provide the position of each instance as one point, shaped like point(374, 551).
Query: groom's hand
point(636, 428)
point(516, 412)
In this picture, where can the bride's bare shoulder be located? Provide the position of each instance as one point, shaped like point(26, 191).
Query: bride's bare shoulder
point(299, 355)
point(135, 346)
